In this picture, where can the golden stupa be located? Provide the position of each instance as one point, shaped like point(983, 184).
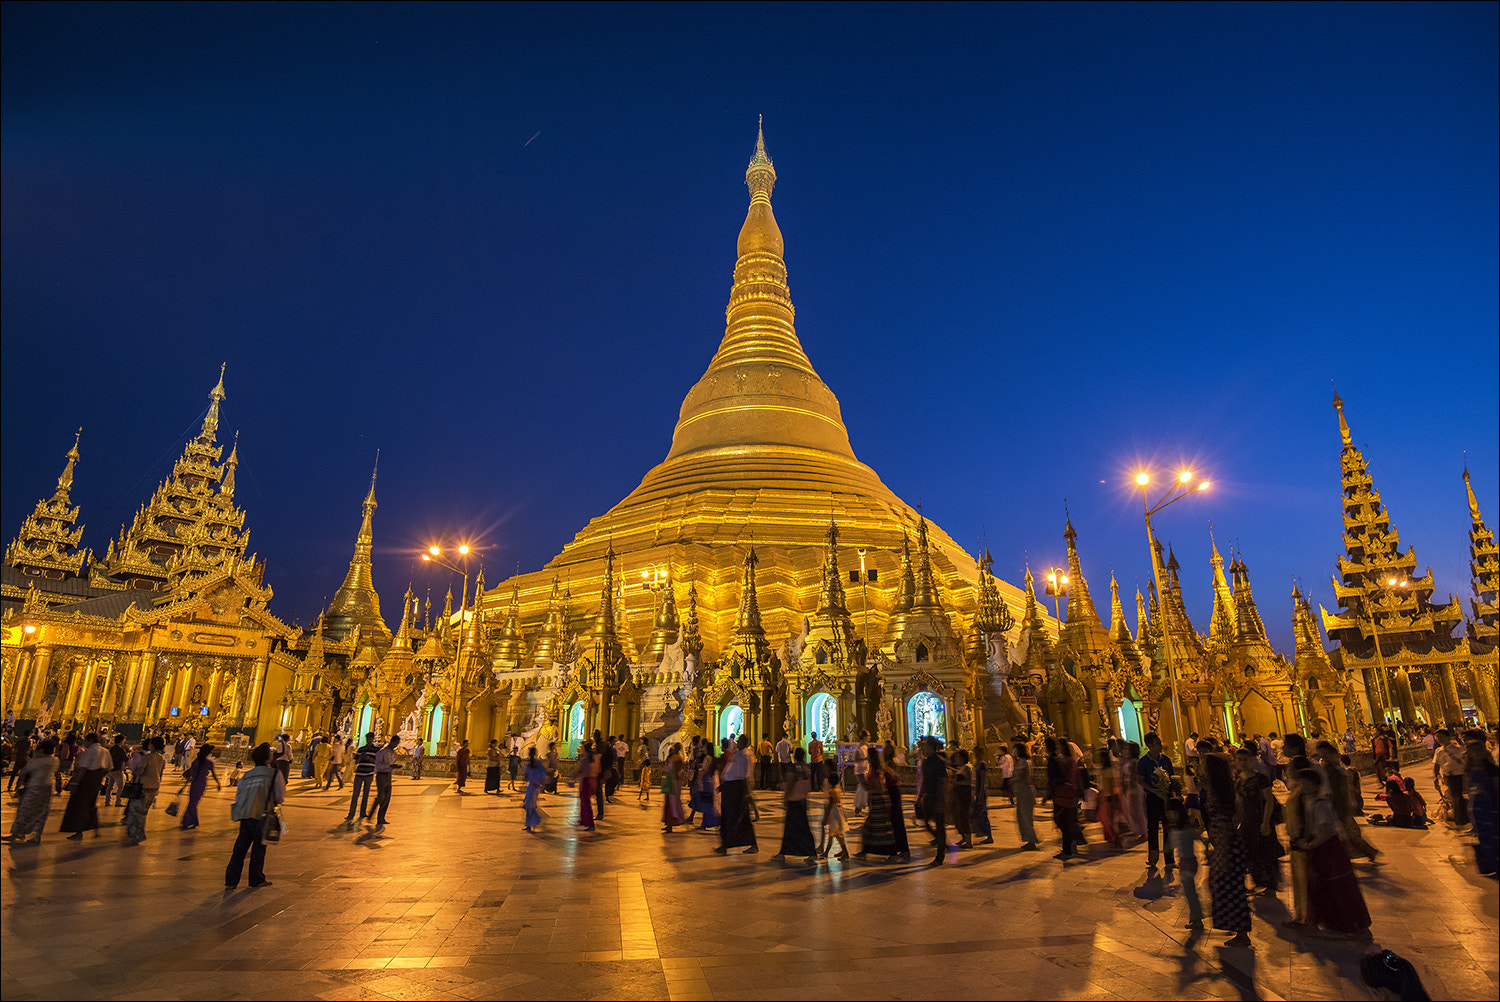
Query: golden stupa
point(760, 455)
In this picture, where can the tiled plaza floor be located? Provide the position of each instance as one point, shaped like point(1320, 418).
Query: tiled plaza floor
point(453, 900)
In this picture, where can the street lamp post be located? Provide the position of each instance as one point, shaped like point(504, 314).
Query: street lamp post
point(1175, 493)
point(1057, 587)
point(434, 555)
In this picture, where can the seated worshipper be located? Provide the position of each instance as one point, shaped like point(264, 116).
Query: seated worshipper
point(1402, 807)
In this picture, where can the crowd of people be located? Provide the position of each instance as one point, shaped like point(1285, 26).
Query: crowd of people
point(1247, 807)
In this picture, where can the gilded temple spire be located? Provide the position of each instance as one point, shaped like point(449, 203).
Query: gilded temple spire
point(356, 603)
point(604, 623)
point(1083, 633)
point(403, 632)
point(511, 644)
point(906, 594)
point(692, 640)
point(65, 479)
point(1403, 614)
point(1247, 616)
point(211, 419)
point(831, 594)
point(926, 597)
point(747, 623)
point(665, 627)
point(1484, 573)
point(1223, 628)
point(226, 478)
point(49, 537)
point(549, 643)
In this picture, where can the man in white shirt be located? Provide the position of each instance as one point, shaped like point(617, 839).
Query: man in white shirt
point(784, 756)
point(735, 828)
point(1007, 773)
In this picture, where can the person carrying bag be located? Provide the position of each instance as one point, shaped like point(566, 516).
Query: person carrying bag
point(256, 798)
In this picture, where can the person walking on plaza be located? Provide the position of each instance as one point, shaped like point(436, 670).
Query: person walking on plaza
point(961, 785)
point(763, 765)
point(1449, 763)
point(281, 757)
point(796, 834)
point(82, 813)
point(899, 837)
point(513, 763)
point(643, 767)
point(148, 774)
point(1226, 870)
point(492, 767)
point(1154, 773)
point(23, 751)
point(1326, 757)
point(336, 752)
point(1334, 900)
point(588, 779)
point(36, 796)
point(67, 752)
point(461, 765)
point(1128, 789)
point(1484, 796)
point(114, 780)
point(322, 753)
point(1183, 829)
point(198, 775)
point(815, 761)
point(1258, 814)
point(604, 769)
point(933, 797)
point(708, 786)
point(536, 779)
point(418, 754)
point(783, 758)
point(876, 836)
point(364, 776)
point(672, 771)
point(1007, 768)
point(1381, 748)
point(979, 814)
point(736, 828)
point(385, 767)
point(260, 790)
point(861, 766)
point(1062, 778)
point(835, 824)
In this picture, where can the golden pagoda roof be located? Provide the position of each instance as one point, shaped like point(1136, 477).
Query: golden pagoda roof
point(759, 453)
point(356, 603)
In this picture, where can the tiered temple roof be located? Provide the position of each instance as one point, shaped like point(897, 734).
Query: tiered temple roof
point(1376, 584)
point(47, 545)
point(1484, 574)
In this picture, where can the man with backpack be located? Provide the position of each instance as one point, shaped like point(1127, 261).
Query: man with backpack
point(258, 793)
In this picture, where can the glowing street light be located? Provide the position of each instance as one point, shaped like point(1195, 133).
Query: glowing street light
point(1057, 587)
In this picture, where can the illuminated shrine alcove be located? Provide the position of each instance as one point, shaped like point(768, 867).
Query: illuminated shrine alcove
point(731, 722)
point(926, 716)
point(823, 716)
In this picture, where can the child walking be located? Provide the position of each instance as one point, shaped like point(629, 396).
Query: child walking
point(834, 823)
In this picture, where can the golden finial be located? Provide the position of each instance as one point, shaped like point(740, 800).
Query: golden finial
point(215, 395)
point(1473, 501)
point(760, 176)
point(65, 480)
point(1338, 405)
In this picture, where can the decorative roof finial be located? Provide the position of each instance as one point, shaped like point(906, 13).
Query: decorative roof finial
point(760, 175)
point(1338, 405)
point(215, 396)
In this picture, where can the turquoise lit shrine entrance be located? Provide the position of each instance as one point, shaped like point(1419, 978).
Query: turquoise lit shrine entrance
point(823, 716)
point(926, 716)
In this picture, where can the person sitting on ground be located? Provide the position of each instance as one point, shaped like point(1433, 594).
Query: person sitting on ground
point(1402, 809)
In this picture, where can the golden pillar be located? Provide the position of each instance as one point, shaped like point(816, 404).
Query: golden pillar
point(41, 664)
point(1486, 699)
point(1453, 708)
point(1401, 690)
point(15, 692)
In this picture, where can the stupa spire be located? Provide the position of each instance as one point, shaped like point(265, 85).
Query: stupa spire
point(1247, 617)
point(831, 594)
point(211, 419)
point(226, 478)
point(511, 644)
point(760, 389)
point(356, 603)
point(1223, 628)
point(926, 597)
point(65, 479)
point(664, 629)
point(906, 594)
point(692, 640)
point(549, 641)
point(747, 624)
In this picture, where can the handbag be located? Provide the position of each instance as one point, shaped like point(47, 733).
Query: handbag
point(133, 790)
point(271, 826)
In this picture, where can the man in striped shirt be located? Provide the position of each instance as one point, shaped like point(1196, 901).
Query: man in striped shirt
point(364, 775)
